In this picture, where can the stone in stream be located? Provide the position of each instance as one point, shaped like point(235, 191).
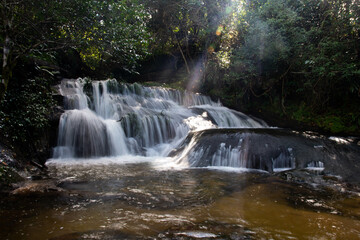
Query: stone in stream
point(270, 149)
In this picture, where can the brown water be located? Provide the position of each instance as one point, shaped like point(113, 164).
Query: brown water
point(136, 201)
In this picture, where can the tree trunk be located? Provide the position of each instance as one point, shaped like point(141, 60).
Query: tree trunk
point(6, 65)
point(183, 56)
point(186, 63)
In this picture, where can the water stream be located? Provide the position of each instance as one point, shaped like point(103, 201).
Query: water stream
point(107, 118)
point(135, 162)
point(140, 201)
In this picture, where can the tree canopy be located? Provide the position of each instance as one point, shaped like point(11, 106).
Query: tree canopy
point(298, 58)
point(102, 32)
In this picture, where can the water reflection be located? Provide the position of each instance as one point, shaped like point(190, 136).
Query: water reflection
point(136, 201)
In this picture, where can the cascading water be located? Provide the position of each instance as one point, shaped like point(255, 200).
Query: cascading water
point(111, 119)
point(107, 118)
point(104, 180)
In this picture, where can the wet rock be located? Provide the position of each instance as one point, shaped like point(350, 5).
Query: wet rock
point(37, 187)
point(38, 177)
point(97, 234)
point(318, 179)
point(8, 177)
point(208, 230)
point(10, 169)
point(8, 158)
point(302, 176)
point(270, 150)
point(319, 192)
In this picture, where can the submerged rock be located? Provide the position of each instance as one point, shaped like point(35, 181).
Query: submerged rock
point(37, 187)
point(97, 234)
point(208, 230)
point(320, 193)
point(180, 189)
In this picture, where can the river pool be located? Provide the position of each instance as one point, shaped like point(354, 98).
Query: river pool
point(142, 201)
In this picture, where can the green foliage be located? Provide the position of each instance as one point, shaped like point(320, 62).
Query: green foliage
point(334, 121)
point(339, 122)
point(299, 57)
point(179, 85)
point(25, 111)
point(117, 35)
point(270, 42)
point(301, 113)
point(188, 29)
point(329, 61)
point(106, 34)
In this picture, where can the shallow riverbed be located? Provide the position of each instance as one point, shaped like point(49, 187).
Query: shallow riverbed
point(141, 201)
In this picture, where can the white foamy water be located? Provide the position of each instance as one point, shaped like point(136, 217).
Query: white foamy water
point(111, 122)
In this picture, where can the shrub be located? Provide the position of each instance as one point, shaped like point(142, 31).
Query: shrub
point(26, 110)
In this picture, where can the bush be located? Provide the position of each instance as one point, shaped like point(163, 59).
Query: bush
point(25, 111)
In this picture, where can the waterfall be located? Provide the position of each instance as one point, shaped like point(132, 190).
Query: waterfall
point(108, 118)
point(237, 148)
